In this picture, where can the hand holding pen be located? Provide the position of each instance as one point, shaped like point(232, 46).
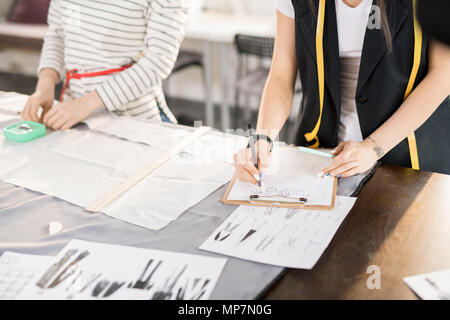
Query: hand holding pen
point(250, 162)
point(255, 158)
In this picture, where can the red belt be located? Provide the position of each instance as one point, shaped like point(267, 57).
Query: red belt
point(73, 74)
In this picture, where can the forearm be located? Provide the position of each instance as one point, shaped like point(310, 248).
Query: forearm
point(416, 109)
point(421, 103)
point(48, 78)
point(276, 104)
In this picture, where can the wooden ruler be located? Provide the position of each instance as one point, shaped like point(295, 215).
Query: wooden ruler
point(101, 203)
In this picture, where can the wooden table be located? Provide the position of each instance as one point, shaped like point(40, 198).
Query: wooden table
point(400, 222)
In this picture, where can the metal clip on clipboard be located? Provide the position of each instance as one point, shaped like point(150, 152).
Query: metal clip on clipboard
point(277, 199)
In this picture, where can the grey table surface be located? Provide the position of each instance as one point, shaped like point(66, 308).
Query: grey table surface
point(25, 216)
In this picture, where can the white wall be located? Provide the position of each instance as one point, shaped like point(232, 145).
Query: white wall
point(265, 7)
point(187, 84)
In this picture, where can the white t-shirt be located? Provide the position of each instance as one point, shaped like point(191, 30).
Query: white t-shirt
point(351, 26)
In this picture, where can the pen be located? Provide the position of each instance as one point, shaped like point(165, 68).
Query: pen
point(316, 152)
point(254, 155)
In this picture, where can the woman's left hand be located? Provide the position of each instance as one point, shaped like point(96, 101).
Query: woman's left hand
point(65, 115)
point(353, 157)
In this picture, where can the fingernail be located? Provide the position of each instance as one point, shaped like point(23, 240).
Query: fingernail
point(256, 177)
point(320, 175)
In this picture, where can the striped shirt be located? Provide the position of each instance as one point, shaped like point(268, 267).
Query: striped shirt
point(95, 35)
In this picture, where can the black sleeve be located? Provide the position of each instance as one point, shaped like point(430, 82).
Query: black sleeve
point(434, 18)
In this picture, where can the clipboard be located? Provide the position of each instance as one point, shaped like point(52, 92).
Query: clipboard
point(277, 204)
point(286, 202)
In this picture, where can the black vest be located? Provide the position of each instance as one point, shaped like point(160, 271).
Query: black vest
point(383, 77)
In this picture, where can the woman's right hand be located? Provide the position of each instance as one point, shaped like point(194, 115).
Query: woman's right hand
point(43, 97)
point(39, 99)
point(245, 169)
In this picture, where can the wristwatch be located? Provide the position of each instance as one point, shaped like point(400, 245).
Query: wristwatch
point(257, 137)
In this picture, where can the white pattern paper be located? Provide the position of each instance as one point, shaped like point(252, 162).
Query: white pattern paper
point(12, 101)
point(212, 146)
point(81, 166)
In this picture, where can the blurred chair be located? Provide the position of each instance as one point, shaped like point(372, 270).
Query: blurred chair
point(188, 59)
point(250, 81)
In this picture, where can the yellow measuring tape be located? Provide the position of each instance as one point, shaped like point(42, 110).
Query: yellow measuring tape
point(312, 136)
point(414, 155)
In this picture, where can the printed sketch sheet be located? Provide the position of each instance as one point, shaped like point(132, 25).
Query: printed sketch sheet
point(17, 270)
point(431, 286)
point(292, 173)
point(82, 270)
point(81, 166)
point(278, 236)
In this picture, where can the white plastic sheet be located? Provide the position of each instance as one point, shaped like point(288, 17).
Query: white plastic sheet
point(81, 166)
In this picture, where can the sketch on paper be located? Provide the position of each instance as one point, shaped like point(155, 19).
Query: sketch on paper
point(17, 270)
point(82, 271)
point(292, 174)
point(279, 236)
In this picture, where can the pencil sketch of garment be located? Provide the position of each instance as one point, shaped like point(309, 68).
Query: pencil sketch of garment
point(166, 292)
point(142, 282)
point(68, 270)
point(53, 269)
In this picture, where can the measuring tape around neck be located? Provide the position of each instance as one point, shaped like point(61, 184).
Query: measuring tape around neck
point(413, 153)
point(312, 136)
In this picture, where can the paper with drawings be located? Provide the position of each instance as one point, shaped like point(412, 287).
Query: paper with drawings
point(292, 174)
point(17, 270)
point(81, 166)
point(90, 270)
point(431, 286)
point(278, 236)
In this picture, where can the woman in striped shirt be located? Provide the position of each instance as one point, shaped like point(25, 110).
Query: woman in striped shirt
point(115, 54)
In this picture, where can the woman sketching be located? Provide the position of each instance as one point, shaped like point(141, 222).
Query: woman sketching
point(113, 55)
point(374, 87)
